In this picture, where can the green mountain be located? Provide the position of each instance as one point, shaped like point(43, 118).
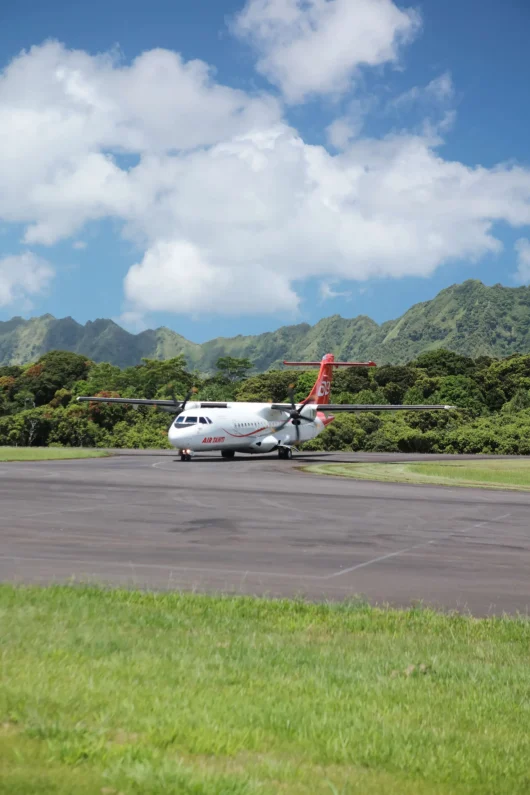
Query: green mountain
point(468, 318)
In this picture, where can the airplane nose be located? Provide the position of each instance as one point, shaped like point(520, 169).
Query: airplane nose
point(182, 437)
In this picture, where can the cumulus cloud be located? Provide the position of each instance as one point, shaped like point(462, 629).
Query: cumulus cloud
point(65, 115)
point(522, 248)
point(229, 206)
point(22, 276)
point(176, 276)
point(315, 46)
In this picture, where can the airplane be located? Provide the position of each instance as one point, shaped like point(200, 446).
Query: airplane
point(232, 427)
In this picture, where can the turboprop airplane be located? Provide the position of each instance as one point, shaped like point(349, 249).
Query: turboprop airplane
point(204, 426)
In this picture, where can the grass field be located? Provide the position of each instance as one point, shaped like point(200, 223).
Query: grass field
point(46, 453)
point(492, 474)
point(116, 691)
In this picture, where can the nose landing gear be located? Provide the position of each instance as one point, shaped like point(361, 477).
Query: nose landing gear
point(185, 455)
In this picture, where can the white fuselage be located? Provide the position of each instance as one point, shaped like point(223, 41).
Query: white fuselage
point(241, 427)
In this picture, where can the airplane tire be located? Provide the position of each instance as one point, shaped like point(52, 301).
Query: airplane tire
point(228, 453)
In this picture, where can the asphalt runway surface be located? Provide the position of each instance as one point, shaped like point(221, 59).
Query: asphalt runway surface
point(257, 525)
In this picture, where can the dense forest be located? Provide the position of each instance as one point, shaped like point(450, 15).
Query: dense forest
point(38, 406)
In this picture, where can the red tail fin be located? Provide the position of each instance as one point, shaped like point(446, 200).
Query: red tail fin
point(321, 391)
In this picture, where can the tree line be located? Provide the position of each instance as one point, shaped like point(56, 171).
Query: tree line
point(38, 406)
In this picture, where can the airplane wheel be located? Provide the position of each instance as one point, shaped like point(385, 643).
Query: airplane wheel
point(228, 453)
point(185, 457)
point(285, 453)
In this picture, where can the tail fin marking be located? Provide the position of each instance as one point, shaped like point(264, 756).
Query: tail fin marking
point(322, 388)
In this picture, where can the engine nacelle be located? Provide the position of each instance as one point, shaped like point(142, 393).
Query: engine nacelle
point(310, 412)
point(265, 445)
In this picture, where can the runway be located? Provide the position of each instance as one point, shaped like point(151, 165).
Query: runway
point(257, 525)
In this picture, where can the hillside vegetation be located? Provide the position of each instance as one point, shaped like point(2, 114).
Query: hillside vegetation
point(469, 318)
point(38, 407)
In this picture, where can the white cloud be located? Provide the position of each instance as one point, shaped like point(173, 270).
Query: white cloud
point(340, 132)
point(522, 248)
point(315, 46)
point(62, 112)
point(439, 90)
point(134, 321)
point(21, 276)
point(79, 245)
point(344, 129)
point(327, 292)
point(230, 208)
point(176, 276)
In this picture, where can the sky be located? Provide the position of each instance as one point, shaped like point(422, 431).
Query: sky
point(224, 167)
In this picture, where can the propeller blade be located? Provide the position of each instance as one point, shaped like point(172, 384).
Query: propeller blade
point(181, 406)
point(295, 414)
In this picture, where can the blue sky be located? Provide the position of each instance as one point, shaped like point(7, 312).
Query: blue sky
point(294, 237)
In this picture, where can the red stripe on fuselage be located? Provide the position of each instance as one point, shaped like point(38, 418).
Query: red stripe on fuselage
point(244, 435)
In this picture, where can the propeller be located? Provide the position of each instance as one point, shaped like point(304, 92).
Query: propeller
point(295, 414)
point(179, 407)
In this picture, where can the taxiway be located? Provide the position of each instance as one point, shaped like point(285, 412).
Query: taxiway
point(258, 525)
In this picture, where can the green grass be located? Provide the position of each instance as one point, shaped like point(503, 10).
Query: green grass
point(117, 691)
point(47, 453)
point(492, 474)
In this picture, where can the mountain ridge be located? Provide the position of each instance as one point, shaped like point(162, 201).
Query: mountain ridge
point(469, 318)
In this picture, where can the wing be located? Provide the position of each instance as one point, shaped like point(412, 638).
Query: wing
point(166, 405)
point(334, 408)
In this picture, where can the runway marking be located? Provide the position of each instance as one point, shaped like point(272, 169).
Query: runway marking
point(382, 557)
point(157, 464)
point(448, 535)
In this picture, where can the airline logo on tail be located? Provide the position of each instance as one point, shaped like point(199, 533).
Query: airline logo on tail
point(322, 389)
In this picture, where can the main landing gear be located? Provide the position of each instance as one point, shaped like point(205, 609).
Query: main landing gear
point(285, 453)
point(228, 453)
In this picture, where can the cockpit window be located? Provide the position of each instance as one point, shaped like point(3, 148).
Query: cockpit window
point(181, 420)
